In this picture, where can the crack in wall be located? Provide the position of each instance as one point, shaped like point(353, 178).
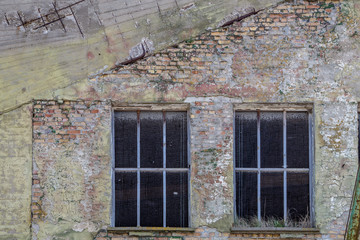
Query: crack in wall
point(53, 15)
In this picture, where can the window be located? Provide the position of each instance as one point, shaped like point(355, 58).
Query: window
point(272, 156)
point(151, 169)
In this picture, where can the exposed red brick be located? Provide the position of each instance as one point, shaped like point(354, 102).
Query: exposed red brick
point(73, 131)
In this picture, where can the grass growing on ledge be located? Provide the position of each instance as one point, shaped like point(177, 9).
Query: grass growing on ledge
point(303, 222)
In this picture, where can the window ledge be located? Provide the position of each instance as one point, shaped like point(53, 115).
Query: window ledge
point(275, 230)
point(148, 229)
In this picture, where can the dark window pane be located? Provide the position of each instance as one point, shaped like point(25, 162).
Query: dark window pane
point(151, 139)
point(176, 140)
point(246, 139)
point(125, 199)
point(271, 135)
point(272, 189)
point(298, 196)
point(246, 195)
point(151, 199)
point(297, 137)
point(176, 200)
point(125, 139)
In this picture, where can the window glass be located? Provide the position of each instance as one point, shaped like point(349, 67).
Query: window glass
point(177, 199)
point(151, 169)
point(272, 195)
point(271, 138)
point(125, 199)
point(245, 139)
point(298, 196)
point(272, 191)
point(246, 195)
point(151, 199)
point(176, 140)
point(297, 138)
point(125, 139)
point(151, 139)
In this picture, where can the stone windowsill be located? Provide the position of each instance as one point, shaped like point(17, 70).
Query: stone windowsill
point(144, 231)
point(278, 230)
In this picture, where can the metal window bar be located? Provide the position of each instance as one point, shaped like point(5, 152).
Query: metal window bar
point(188, 142)
point(112, 169)
point(284, 166)
point(311, 169)
point(138, 169)
point(285, 169)
point(294, 170)
point(258, 138)
point(151, 169)
point(234, 170)
point(163, 170)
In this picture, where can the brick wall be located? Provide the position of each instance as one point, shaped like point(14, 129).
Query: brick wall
point(273, 46)
point(211, 123)
point(71, 169)
point(277, 55)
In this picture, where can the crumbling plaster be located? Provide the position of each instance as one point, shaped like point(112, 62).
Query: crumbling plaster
point(314, 69)
point(108, 31)
point(73, 170)
point(321, 68)
point(15, 173)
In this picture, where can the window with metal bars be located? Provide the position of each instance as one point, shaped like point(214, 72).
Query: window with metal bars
point(151, 169)
point(272, 166)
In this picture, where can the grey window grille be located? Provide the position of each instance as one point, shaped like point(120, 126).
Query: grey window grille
point(272, 165)
point(151, 169)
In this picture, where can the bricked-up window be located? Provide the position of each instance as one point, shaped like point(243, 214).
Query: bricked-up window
point(272, 167)
point(151, 169)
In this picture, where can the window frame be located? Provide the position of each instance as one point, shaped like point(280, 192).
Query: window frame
point(150, 107)
point(278, 107)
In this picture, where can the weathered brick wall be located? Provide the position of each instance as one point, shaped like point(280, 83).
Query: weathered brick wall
point(283, 48)
point(269, 47)
point(284, 54)
point(71, 168)
point(15, 173)
point(50, 54)
point(211, 124)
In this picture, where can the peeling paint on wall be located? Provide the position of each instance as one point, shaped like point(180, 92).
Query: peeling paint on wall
point(295, 52)
point(72, 165)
